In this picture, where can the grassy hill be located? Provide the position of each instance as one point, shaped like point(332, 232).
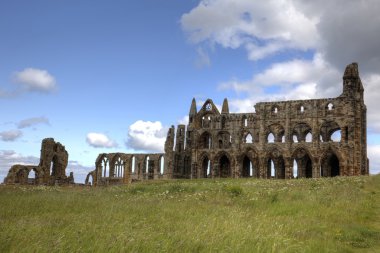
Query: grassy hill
point(231, 215)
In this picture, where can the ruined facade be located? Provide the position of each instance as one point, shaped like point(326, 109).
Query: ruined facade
point(284, 139)
point(50, 171)
point(120, 168)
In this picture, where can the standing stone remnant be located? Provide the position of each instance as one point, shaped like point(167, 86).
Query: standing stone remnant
point(50, 171)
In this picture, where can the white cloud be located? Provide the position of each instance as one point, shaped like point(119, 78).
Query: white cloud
point(99, 140)
point(265, 26)
point(373, 156)
point(203, 59)
point(10, 135)
point(371, 97)
point(350, 34)
point(33, 79)
point(184, 120)
point(146, 136)
point(241, 105)
point(32, 121)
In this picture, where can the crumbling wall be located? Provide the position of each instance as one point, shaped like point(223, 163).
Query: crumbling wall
point(50, 171)
point(283, 139)
point(121, 168)
point(277, 139)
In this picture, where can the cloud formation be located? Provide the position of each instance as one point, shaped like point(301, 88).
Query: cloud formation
point(203, 59)
point(32, 79)
point(262, 27)
point(10, 135)
point(266, 29)
point(373, 155)
point(146, 136)
point(99, 140)
point(32, 121)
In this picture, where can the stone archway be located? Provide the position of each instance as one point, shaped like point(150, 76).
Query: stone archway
point(247, 167)
point(224, 167)
point(275, 165)
point(206, 167)
point(304, 163)
point(330, 165)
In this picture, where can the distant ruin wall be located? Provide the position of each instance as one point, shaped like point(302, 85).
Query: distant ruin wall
point(283, 139)
point(50, 171)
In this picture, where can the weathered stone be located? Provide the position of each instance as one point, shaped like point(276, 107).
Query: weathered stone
point(266, 143)
point(50, 171)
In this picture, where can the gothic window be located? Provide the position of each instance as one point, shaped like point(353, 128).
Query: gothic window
point(133, 164)
point(270, 138)
point(309, 137)
point(249, 138)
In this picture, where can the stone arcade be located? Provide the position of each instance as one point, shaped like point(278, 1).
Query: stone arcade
point(50, 171)
point(279, 140)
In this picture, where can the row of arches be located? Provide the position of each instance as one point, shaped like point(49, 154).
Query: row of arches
point(300, 109)
point(118, 167)
point(302, 132)
point(274, 165)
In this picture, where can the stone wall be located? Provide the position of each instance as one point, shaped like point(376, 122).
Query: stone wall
point(50, 171)
point(283, 139)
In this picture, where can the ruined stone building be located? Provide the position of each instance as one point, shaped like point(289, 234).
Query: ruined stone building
point(284, 139)
point(50, 171)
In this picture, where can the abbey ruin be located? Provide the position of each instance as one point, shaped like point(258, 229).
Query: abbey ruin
point(50, 171)
point(282, 140)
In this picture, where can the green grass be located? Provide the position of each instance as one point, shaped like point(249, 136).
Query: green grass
point(230, 215)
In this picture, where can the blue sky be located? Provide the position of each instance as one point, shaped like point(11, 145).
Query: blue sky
point(112, 76)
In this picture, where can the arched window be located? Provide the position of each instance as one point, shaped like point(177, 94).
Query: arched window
point(133, 165)
point(330, 106)
point(295, 169)
point(302, 109)
point(270, 138)
point(119, 168)
point(295, 138)
point(336, 136)
point(244, 121)
point(249, 138)
point(205, 141)
point(147, 165)
point(32, 177)
point(104, 166)
point(206, 167)
point(309, 137)
point(272, 169)
point(247, 170)
point(162, 164)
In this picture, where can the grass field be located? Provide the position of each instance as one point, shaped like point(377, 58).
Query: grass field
point(230, 215)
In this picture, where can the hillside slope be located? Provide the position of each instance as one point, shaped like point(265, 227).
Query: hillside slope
point(230, 215)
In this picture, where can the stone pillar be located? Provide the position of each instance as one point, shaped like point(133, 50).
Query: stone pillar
point(316, 168)
point(288, 168)
point(237, 170)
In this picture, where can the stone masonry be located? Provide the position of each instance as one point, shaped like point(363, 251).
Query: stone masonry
point(284, 139)
point(50, 171)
